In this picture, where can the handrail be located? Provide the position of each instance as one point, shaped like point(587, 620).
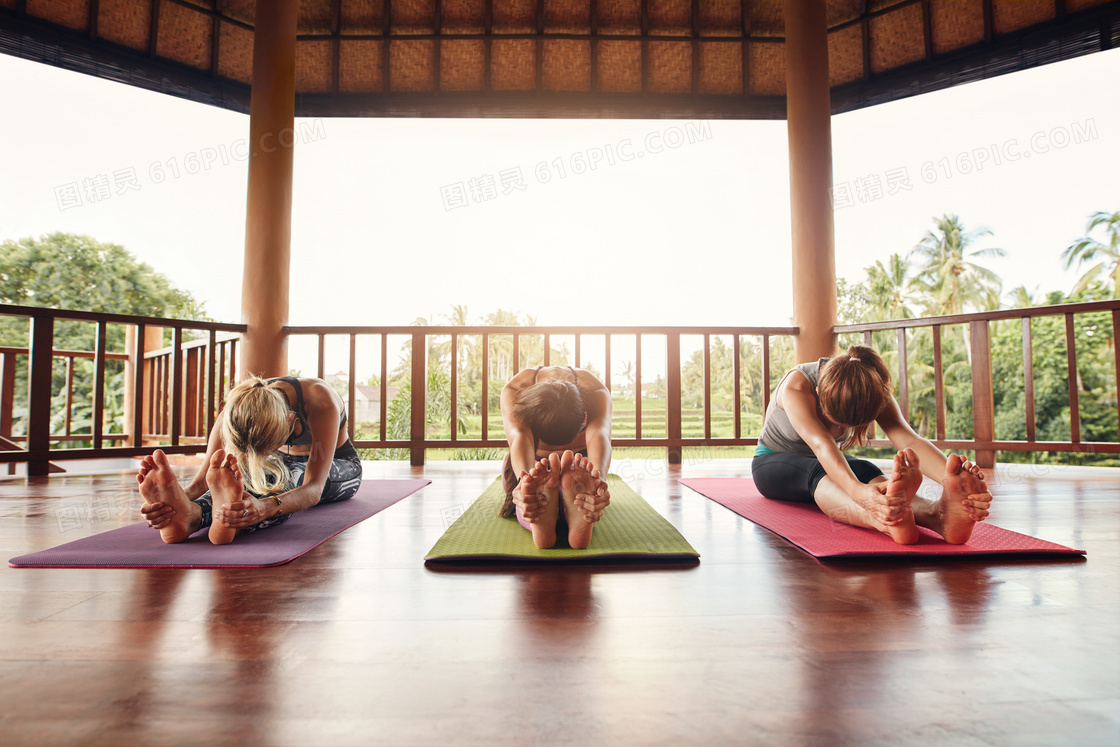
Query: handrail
point(418, 441)
point(187, 392)
point(177, 390)
point(984, 441)
point(91, 316)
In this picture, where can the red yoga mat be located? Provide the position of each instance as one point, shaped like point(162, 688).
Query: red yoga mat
point(138, 546)
point(810, 529)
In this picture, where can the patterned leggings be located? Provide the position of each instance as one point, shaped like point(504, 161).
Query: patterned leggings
point(343, 482)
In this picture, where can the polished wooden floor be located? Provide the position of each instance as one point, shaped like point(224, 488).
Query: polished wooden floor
point(358, 643)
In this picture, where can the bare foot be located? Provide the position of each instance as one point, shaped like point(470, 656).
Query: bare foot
point(964, 501)
point(904, 481)
point(543, 481)
point(577, 487)
point(224, 480)
point(166, 505)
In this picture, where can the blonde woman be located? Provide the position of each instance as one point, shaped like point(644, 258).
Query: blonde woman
point(279, 446)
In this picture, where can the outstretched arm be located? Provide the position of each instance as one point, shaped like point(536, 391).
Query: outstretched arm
point(598, 433)
point(522, 449)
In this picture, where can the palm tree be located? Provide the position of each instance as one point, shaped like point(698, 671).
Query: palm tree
point(1087, 249)
point(891, 289)
point(1021, 298)
point(947, 274)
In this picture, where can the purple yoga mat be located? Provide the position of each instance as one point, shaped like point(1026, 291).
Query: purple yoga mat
point(810, 529)
point(139, 546)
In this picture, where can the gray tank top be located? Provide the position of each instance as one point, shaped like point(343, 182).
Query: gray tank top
point(778, 433)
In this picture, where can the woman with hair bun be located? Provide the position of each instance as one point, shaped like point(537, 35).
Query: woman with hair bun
point(821, 408)
point(558, 425)
point(279, 446)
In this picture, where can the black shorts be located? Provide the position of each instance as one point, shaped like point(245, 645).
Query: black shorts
point(792, 477)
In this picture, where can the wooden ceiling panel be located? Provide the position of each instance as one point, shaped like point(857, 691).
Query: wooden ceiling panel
point(721, 68)
point(567, 16)
point(412, 66)
point(766, 18)
point(235, 52)
point(240, 10)
point(462, 65)
point(125, 22)
point(513, 65)
point(620, 17)
point(463, 16)
point(1012, 15)
point(515, 16)
point(414, 16)
point(567, 65)
point(669, 67)
point(361, 66)
point(721, 18)
point(72, 15)
point(314, 68)
point(845, 55)
point(690, 50)
point(767, 68)
point(955, 25)
point(618, 67)
point(669, 17)
point(896, 38)
point(842, 11)
point(362, 17)
point(185, 36)
point(315, 17)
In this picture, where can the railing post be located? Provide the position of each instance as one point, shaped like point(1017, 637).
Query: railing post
point(39, 395)
point(7, 399)
point(419, 399)
point(138, 371)
point(176, 398)
point(7, 392)
point(983, 406)
point(98, 416)
point(673, 392)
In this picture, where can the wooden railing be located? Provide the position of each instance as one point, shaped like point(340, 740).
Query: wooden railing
point(177, 390)
point(984, 441)
point(209, 369)
point(418, 338)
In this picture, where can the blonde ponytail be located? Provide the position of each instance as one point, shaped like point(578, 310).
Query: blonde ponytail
point(255, 425)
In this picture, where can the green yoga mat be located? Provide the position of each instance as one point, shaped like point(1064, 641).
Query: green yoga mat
point(629, 528)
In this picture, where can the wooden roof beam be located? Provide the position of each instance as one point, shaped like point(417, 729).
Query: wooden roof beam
point(695, 13)
point(386, 30)
point(336, 42)
point(91, 19)
point(153, 28)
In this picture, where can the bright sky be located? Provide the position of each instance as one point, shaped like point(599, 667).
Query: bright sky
point(696, 234)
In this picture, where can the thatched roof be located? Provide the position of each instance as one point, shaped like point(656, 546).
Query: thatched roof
point(540, 58)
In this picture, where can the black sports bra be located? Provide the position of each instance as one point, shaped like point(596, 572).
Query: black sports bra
point(304, 437)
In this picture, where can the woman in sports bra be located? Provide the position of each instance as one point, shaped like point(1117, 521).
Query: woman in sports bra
point(821, 408)
point(558, 424)
point(279, 446)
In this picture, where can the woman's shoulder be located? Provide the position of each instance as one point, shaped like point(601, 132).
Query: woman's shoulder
point(587, 381)
point(317, 390)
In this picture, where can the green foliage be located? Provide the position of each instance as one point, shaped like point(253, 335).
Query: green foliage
point(1088, 248)
point(78, 273)
point(946, 282)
